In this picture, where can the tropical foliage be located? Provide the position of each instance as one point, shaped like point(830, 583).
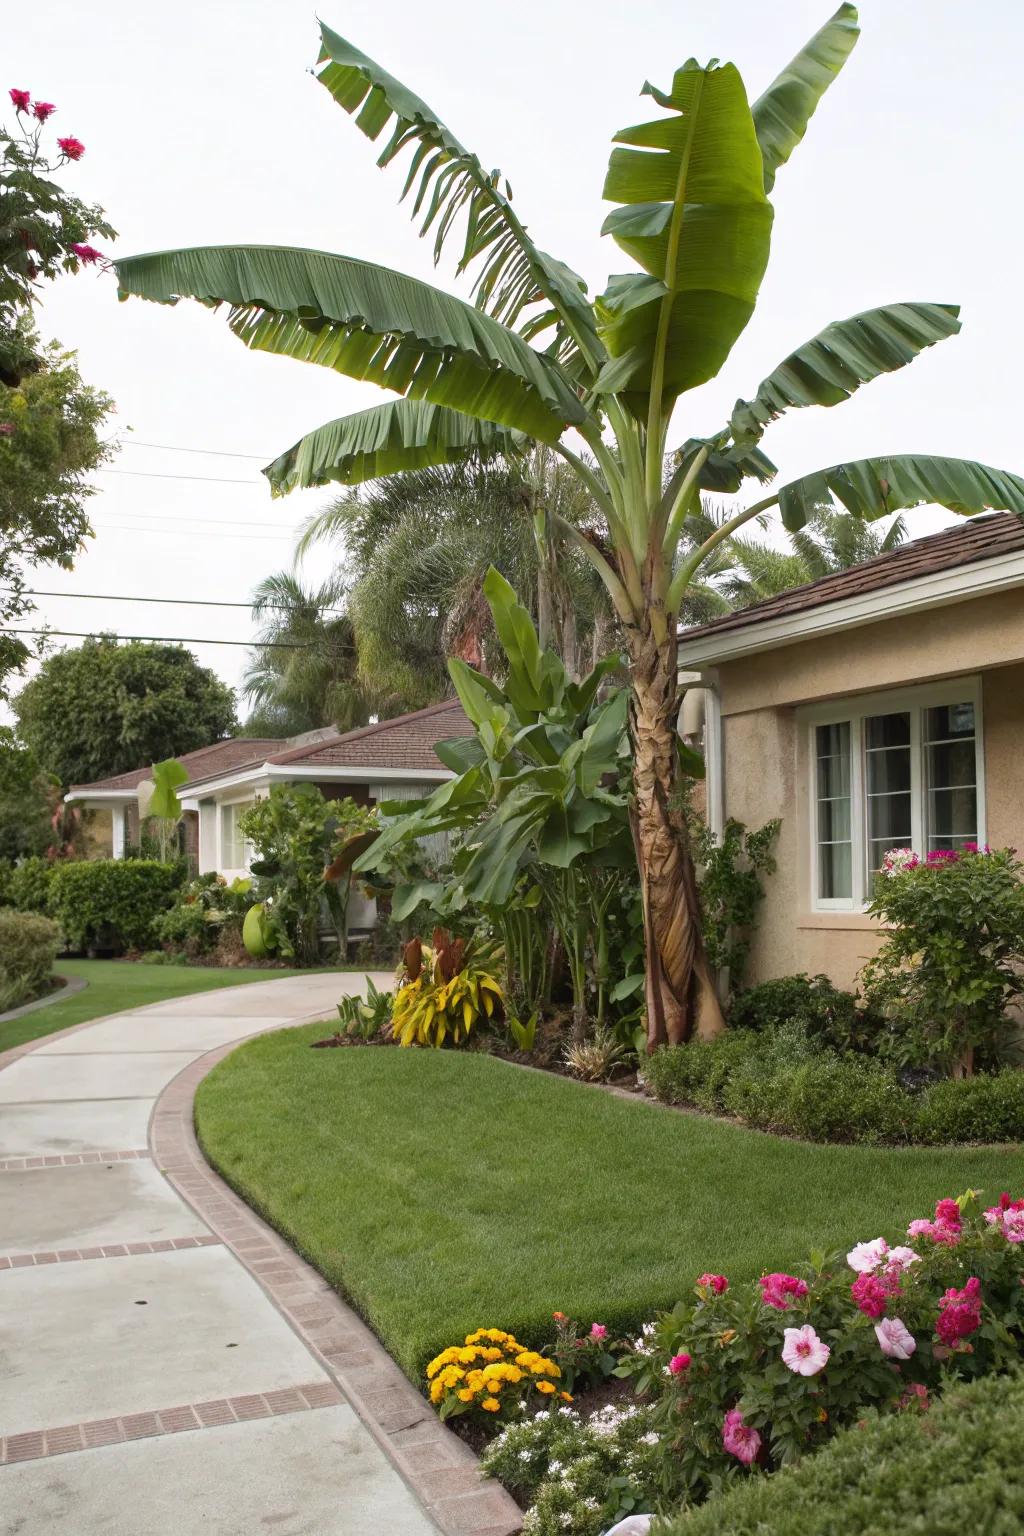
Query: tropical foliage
point(690, 190)
point(448, 987)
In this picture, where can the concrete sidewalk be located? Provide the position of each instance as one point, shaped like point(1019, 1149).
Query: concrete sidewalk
point(148, 1384)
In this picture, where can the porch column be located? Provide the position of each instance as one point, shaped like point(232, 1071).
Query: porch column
point(117, 832)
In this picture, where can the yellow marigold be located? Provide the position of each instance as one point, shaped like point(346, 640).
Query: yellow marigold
point(544, 1386)
point(474, 1379)
point(465, 1394)
point(490, 1405)
point(566, 1397)
point(513, 1373)
point(436, 1390)
point(492, 1353)
point(467, 1356)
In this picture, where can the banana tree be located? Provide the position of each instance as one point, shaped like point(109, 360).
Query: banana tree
point(533, 359)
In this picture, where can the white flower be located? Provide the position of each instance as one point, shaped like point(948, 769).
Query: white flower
point(866, 1257)
point(803, 1351)
point(902, 1258)
point(895, 1339)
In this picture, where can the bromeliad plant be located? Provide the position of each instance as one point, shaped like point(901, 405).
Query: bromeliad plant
point(449, 988)
point(691, 191)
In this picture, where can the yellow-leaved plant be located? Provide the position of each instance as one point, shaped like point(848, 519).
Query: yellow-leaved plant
point(491, 1373)
point(449, 987)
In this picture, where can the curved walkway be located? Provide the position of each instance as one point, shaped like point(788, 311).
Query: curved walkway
point(167, 1364)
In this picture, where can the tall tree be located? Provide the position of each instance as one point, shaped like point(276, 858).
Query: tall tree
point(754, 570)
point(108, 707)
point(416, 548)
point(691, 190)
point(302, 673)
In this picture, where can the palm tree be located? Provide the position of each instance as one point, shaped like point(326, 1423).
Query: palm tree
point(415, 549)
point(831, 542)
point(302, 671)
point(691, 190)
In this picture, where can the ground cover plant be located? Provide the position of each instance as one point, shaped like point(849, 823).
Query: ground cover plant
point(112, 986)
point(444, 1191)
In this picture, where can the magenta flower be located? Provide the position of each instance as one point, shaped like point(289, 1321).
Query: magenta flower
point(959, 1312)
point(87, 254)
point(71, 149)
point(947, 1212)
point(42, 110)
point(871, 1294)
point(716, 1283)
point(598, 1331)
point(803, 1351)
point(865, 1257)
point(20, 99)
point(739, 1439)
point(7, 429)
point(895, 1339)
point(1013, 1226)
point(776, 1289)
point(679, 1363)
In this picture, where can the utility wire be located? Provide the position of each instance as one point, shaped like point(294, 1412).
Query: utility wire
point(197, 517)
point(195, 533)
point(151, 474)
point(188, 602)
point(89, 634)
point(216, 453)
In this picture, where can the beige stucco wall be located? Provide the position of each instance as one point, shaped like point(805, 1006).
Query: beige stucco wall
point(766, 773)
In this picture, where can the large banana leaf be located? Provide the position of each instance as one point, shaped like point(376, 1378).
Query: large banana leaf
point(846, 354)
point(370, 323)
point(449, 180)
point(872, 488)
point(696, 219)
point(386, 440)
point(781, 115)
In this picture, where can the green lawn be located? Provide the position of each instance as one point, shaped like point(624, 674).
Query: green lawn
point(114, 985)
point(444, 1191)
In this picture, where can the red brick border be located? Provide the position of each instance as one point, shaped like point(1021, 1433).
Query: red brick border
point(37, 1443)
point(107, 1251)
point(67, 1159)
point(440, 1468)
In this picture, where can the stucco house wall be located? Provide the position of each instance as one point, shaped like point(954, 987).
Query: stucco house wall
point(767, 767)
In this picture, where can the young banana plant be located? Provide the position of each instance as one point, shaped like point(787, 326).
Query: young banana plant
point(532, 359)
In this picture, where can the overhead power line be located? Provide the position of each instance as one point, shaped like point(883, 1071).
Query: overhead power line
point(216, 453)
point(152, 474)
point(127, 597)
point(90, 634)
point(195, 533)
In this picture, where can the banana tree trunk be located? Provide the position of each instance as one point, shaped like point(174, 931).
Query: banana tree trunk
point(682, 1001)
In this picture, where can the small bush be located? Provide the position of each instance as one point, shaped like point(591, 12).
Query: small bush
point(782, 1081)
point(491, 1376)
point(28, 886)
point(956, 1468)
point(28, 948)
point(827, 1012)
point(111, 904)
point(206, 911)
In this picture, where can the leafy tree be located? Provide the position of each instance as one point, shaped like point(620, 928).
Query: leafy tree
point(314, 684)
point(416, 548)
point(831, 542)
point(25, 811)
point(107, 708)
point(691, 193)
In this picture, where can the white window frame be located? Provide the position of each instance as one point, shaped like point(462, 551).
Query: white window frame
point(246, 850)
point(856, 710)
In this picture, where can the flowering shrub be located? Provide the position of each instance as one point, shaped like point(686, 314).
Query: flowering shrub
point(449, 988)
point(579, 1476)
point(492, 1375)
point(757, 1375)
point(950, 963)
point(584, 1355)
point(203, 911)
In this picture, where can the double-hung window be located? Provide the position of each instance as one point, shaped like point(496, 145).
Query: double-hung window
point(895, 770)
point(235, 851)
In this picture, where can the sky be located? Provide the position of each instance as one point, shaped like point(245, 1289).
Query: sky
point(203, 125)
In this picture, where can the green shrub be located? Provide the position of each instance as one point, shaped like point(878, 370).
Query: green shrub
point(28, 948)
point(28, 885)
point(827, 1012)
point(955, 1468)
point(6, 875)
point(783, 1081)
point(204, 910)
point(111, 904)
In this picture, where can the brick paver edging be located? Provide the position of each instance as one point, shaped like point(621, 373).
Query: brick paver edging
point(106, 1251)
point(67, 1159)
point(37, 1443)
point(439, 1467)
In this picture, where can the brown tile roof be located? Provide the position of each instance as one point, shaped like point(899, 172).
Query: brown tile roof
point(203, 763)
point(977, 538)
point(407, 741)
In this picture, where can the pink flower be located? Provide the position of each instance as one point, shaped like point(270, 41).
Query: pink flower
point(42, 110)
point(895, 1339)
point(20, 99)
point(871, 1294)
point(938, 1231)
point(716, 1283)
point(1013, 1226)
point(87, 254)
point(739, 1439)
point(866, 1257)
point(598, 1331)
point(900, 1259)
point(947, 1212)
point(679, 1363)
point(959, 1312)
point(7, 429)
point(916, 1396)
point(71, 149)
point(776, 1288)
point(803, 1351)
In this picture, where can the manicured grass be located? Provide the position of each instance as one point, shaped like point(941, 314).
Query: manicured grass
point(443, 1191)
point(114, 985)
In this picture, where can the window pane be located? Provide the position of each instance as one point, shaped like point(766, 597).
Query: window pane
point(835, 861)
point(887, 731)
point(889, 818)
point(835, 871)
point(949, 721)
point(952, 814)
point(889, 771)
point(951, 764)
point(951, 771)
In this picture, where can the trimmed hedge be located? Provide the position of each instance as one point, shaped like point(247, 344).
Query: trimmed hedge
point(28, 948)
point(784, 1082)
point(956, 1468)
point(111, 904)
point(27, 885)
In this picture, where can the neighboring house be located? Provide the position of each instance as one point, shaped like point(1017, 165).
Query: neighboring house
point(880, 707)
point(393, 759)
